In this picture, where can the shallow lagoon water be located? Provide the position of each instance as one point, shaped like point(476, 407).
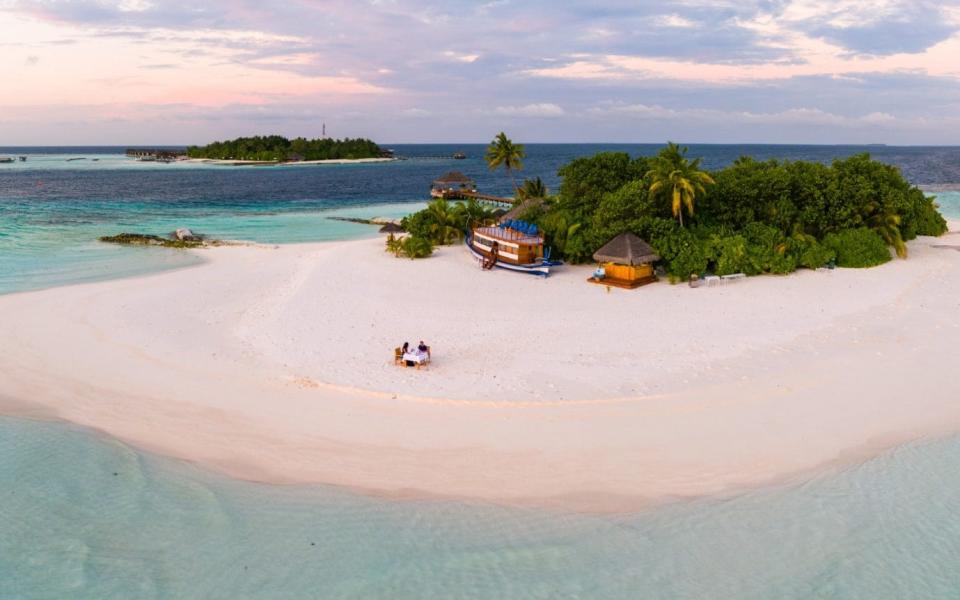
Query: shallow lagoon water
point(87, 517)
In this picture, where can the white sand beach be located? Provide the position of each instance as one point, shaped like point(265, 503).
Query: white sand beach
point(276, 364)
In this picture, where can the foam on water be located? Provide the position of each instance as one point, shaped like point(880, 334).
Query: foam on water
point(86, 517)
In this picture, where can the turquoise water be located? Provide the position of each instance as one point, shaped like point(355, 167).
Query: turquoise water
point(86, 517)
point(949, 203)
point(42, 250)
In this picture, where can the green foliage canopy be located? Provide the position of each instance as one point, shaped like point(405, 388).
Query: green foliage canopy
point(275, 147)
point(758, 217)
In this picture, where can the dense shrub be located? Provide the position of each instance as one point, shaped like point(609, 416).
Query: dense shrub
point(732, 256)
point(444, 223)
point(927, 220)
point(414, 246)
point(691, 259)
point(858, 248)
point(812, 254)
point(761, 216)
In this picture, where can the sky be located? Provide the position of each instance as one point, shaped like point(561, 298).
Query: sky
point(723, 71)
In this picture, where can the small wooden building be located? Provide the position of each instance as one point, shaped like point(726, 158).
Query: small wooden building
point(626, 261)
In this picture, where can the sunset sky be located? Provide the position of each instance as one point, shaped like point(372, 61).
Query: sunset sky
point(178, 72)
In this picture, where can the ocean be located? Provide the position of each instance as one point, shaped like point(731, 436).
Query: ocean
point(84, 516)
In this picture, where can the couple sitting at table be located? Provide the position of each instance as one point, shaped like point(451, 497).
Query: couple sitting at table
point(414, 356)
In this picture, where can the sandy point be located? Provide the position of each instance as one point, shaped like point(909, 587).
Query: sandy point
point(276, 364)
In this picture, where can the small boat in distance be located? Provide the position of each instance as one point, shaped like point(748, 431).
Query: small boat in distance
point(511, 245)
point(23, 159)
point(5, 159)
point(459, 155)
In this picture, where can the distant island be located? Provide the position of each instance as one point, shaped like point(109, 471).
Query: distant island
point(275, 148)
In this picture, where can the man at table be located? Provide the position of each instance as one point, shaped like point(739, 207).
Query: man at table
point(424, 349)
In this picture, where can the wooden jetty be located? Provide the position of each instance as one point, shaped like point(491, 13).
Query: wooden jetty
point(499, 200)
point(457, 186)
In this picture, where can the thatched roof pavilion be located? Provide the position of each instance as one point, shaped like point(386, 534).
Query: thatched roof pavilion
point(452, 178)
point(452, 185)
point(626, 249)
point(625, 261)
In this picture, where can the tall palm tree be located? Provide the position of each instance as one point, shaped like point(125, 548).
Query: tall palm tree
point(673, 172)
point(503, 152)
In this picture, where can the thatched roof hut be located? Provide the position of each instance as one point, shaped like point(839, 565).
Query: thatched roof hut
point(453, 178)
point(391, 228)
point(626, 249)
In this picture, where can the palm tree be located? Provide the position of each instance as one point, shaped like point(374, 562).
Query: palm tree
point(886, 223)
point(532, 188)
point(444, 222)
point(683, 178)
point(472, 213)
point(503, 152)
point(394, 245)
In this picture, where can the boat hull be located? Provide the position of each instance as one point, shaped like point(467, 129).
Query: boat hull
point(541, 269)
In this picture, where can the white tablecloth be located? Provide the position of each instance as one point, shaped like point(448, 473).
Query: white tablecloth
point(417, 357)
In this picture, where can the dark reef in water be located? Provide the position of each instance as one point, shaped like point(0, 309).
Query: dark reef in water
point(143, 239)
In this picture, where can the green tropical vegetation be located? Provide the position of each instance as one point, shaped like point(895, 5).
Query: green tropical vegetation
point(532, 188)
point(672, 174)
point(440, 223)
point(751, 217)
point(502, 152)
point(278, 148)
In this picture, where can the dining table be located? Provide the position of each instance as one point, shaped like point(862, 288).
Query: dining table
point(415, 356)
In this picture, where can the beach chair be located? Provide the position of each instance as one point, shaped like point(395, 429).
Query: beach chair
point(398, 356)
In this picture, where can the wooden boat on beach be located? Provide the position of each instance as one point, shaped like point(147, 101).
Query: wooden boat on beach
point(511, 245)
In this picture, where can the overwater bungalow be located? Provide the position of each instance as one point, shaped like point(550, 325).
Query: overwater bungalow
point(626, 261)
point(452, 186)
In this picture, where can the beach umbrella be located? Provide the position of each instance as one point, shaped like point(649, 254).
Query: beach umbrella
point(391, 228)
